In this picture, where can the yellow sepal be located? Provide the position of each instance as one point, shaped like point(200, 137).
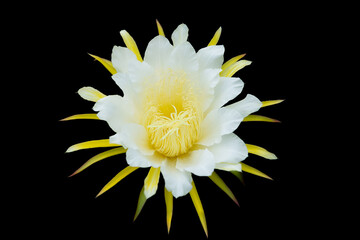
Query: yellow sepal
point(169, 207)
point(221, 184)
point(81, 116)
point(249, 169)
point(131, 44)
point(91, 144)
point(106, 63)
point(141, 203)
point(121, 175)
point(231, 61)
point(233, 68)
point(98, 157)
point(215, 38)
point(262, 152)
point(271, 102)
point(91, 94)
point(160, 29)
point(258, 118)
point(198, 206)
point(151, 182)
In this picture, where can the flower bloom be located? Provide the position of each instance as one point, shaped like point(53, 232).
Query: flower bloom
point(172, 117)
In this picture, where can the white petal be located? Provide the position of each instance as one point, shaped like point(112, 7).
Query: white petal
point(183, 58)
point(176, 181)
point(136, 159)
point(229, 166)
point(121, 57)
point(229, 120)
point(210, 130)
point(180, 35)
point(231, 149)
point(158, 51)
point(211, 57)
point(115, 110)
point(205, 86)
point(218, 123)
point(226, 90)
point(122, 80)
point(198, 162)
point(140, 74)
point(128, 88)
point(133, 136)
point(246, 106)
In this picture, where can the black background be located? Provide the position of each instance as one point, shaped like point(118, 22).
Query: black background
point(274, 36)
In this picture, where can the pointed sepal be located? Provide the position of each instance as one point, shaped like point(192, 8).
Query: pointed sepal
point(199, 208)
point(221, 184)
point(106, 63)
point(121, 175)
point(169, 201)
point(141, 203)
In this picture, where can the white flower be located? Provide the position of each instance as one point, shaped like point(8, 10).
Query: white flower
point(172, 113)
point(172, 117)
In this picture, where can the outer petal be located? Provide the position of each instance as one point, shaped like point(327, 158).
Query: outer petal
point(211, 57)
point(115, 110)
point(231, 149)
point(198, 162)
point(180, 35)
point(218, 123)
point(158, 51)
point(136, 159)
point(246, 106)
point(121, 57)
point(133, 136)
point(176, 181)
point(226, 90)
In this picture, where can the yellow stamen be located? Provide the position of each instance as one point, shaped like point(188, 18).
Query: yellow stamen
point(172, 117)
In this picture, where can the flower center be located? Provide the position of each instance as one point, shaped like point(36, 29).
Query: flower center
point(172, 117)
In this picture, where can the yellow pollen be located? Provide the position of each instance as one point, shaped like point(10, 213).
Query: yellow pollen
point(172, 118)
